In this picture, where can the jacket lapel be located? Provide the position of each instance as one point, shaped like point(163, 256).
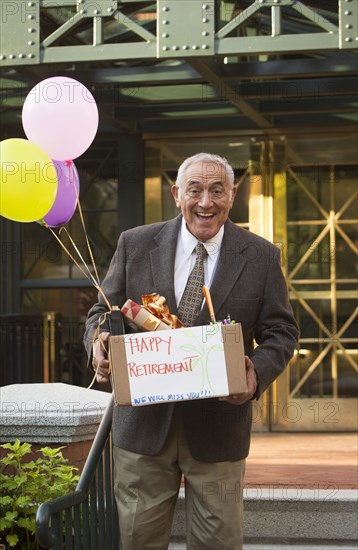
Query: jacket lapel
point(231, 262)
point(229, 267)
point(162, 261)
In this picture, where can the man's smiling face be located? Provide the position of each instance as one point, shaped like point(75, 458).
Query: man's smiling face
point(205, 199)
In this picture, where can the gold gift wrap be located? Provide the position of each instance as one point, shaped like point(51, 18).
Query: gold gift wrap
point(153, 315)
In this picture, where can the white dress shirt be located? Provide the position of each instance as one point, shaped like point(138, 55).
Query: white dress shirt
point(185, 258)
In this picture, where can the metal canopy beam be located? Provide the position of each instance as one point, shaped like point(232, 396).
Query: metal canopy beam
point(269, 71)
point(131, 54)
point(185, 28)
point(230, 93)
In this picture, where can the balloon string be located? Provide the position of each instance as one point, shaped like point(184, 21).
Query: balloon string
point(87, 241)
point(83, 225)
point(91, 278)
point(87, 275)
point(78, 252)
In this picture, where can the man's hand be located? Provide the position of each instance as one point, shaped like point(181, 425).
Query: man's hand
point(251, 381)
point(100, 362)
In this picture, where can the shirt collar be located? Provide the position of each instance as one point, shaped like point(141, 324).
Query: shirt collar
point(188, 242)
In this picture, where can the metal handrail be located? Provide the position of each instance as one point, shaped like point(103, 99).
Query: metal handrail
point(89, 513)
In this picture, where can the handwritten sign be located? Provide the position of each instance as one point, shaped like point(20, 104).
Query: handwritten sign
point(175, 365)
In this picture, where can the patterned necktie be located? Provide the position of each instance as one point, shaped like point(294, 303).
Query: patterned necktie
point(190, 303)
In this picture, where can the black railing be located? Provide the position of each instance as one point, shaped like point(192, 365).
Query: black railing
point(87, 518)
point(31, 344)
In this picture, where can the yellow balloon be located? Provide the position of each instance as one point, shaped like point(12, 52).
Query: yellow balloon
point(28, 181)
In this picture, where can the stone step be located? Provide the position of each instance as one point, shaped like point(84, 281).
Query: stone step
point(281, 516)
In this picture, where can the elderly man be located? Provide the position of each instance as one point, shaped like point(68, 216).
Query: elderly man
point(206, 440)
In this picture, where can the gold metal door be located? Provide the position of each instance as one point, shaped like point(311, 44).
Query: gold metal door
point(316, 221)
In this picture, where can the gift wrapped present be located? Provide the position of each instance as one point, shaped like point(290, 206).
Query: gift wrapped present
point(153, 314)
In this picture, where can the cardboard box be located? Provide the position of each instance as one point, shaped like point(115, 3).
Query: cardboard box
point(177, 365)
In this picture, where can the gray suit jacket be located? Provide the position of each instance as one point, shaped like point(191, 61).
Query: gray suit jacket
point(248, 285)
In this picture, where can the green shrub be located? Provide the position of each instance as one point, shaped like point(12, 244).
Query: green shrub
point(26, 485)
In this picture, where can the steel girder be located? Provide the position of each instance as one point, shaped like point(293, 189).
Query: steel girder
point(66, 31)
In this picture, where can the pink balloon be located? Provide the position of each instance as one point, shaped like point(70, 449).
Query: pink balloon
point(68, 191)
point(61, 116)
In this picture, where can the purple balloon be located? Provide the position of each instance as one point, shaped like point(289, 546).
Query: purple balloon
point(68, 191)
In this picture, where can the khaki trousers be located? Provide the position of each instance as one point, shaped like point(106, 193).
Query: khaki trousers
point(146, 490)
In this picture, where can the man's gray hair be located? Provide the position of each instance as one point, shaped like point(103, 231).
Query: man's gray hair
point(205, 157)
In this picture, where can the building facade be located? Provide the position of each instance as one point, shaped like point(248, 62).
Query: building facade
point(272, 86)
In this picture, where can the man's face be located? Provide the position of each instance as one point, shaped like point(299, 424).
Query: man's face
point(205, 199)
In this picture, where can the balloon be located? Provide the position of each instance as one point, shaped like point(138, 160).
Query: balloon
point(68, 190)
point(60, 115)
point(28, 181)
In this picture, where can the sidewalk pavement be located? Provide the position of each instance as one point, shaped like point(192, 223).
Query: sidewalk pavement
point(305, 460)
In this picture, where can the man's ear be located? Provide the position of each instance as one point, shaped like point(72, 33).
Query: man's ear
point(175, 193)
point(233, 195)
